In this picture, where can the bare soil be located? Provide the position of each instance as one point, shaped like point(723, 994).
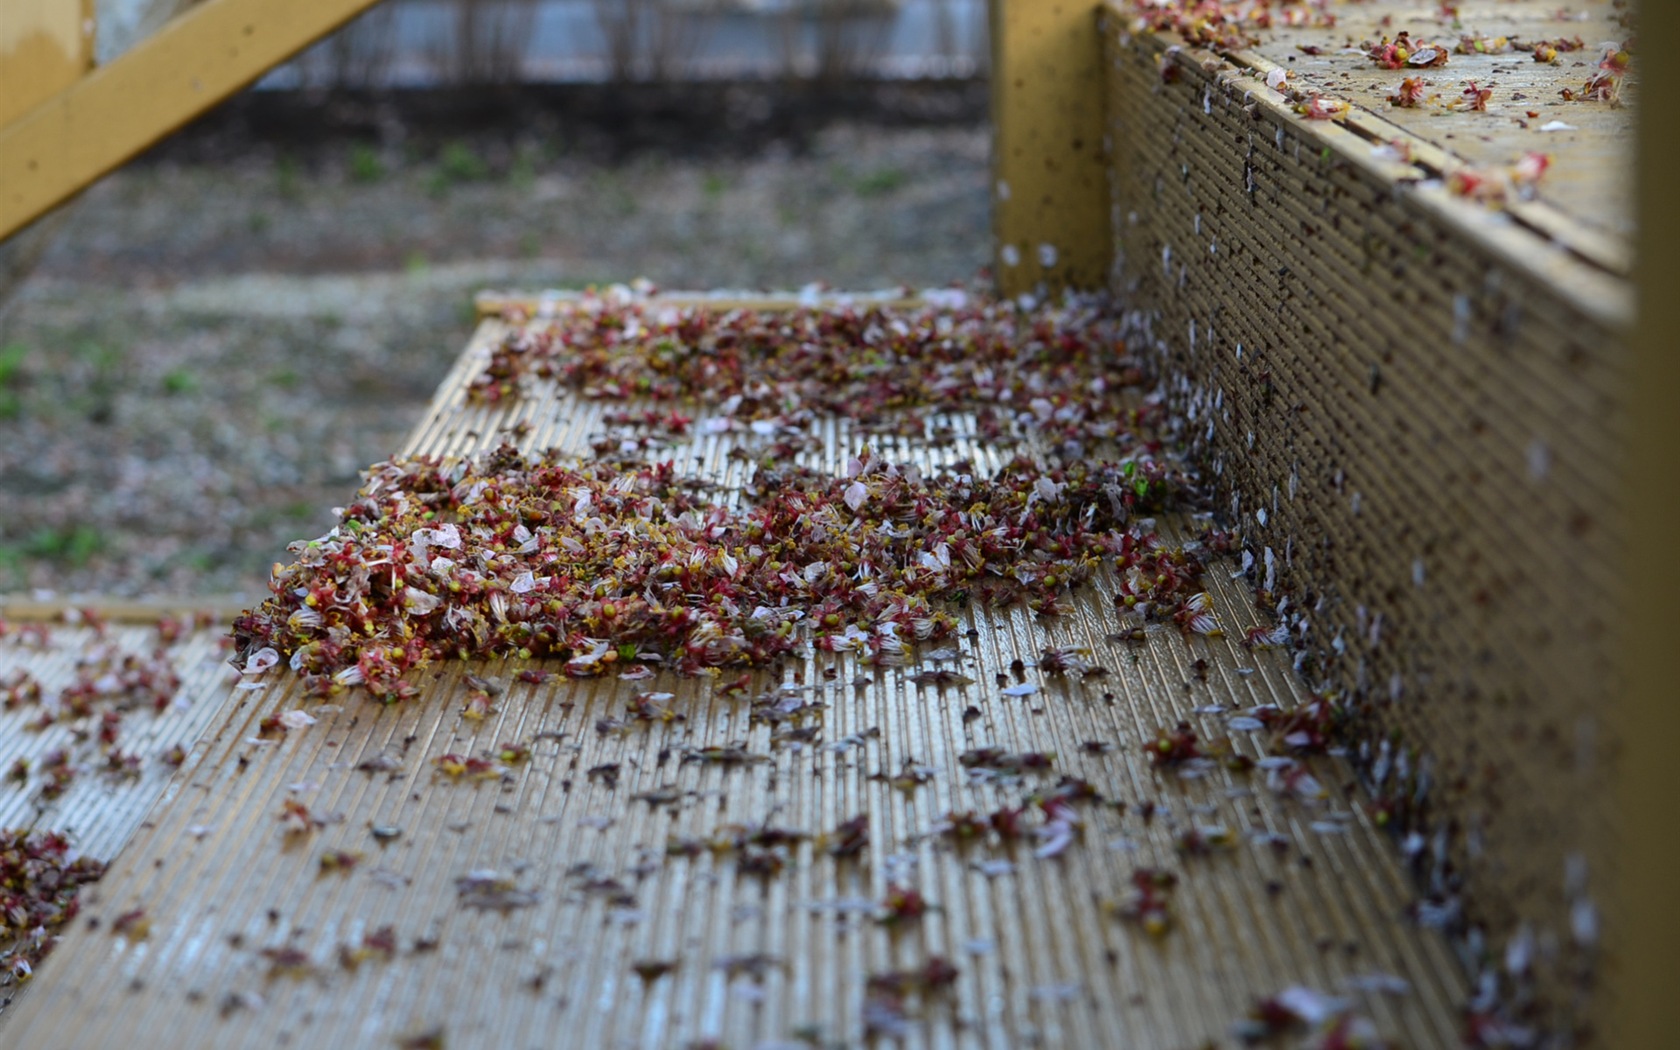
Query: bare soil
point(226, 332)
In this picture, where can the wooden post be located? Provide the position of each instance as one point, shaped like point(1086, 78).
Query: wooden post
point(64, 143)
point(1050, 199)
point(45, 46)
point(1643, 1004)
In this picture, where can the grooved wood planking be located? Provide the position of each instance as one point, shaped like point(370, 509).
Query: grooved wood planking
point(1042, 959)
point(1591, 177)
point(99, 811)
point(1422, 400)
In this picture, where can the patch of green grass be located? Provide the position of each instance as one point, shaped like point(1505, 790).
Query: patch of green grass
point(286, 378)
point(416, 263)
point(179, 381)
point(103, 358)
point(457, 164)
point(713, 186)
point(69, 546)
point(460, 163)
point(879, 182)
point(365, 165)
point(11, 363)
point(11, 377)
point(522, 173)
point(529, 245)
point(288, 178)
point(258, 223)
point(94, 396)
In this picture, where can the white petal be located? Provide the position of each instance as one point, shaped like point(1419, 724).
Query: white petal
point(1058, 836)
point(1313, 1007)
point(351, 675)
point(297, 719)
point(419, 602)
point(261, 660)
point(445, 536)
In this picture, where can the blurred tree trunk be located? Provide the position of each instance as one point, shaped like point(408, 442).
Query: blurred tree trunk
point(945, 31)
point(654, 39)
point(847, 36)
point(680, 28)
point(359, 55)
point(621, 25)
point(485, 42)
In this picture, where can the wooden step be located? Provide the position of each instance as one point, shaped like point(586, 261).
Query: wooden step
point(1309, 894)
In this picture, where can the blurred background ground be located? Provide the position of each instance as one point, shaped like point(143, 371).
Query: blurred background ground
point(226, 332)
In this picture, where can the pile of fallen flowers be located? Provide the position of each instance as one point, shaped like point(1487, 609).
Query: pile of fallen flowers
point(40, 876)
point(1050, 371)
point(627, 566)
point(623, 564)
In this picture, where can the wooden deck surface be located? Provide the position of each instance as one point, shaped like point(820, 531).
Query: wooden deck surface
point(1591, 177)
point(599, 938)
point(101, 810)
point(1582, 203)
point(1444, 378)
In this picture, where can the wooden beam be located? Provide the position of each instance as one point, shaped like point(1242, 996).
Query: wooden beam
point(198, 59)
point(222, 608)
point(502, 304)
point(45, 46)
point(1050, 201)
point(1643, 1009)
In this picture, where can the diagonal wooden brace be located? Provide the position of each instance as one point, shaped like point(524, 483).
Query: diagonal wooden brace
point(72, 138)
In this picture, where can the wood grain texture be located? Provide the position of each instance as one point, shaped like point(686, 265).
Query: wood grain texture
point(66, 142)
point(1419, 404)
point(45, 46)
point(100, 810)
point(1042, 959)
point(1644, 1010)
point(1050, 211)
point(1591, 177)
